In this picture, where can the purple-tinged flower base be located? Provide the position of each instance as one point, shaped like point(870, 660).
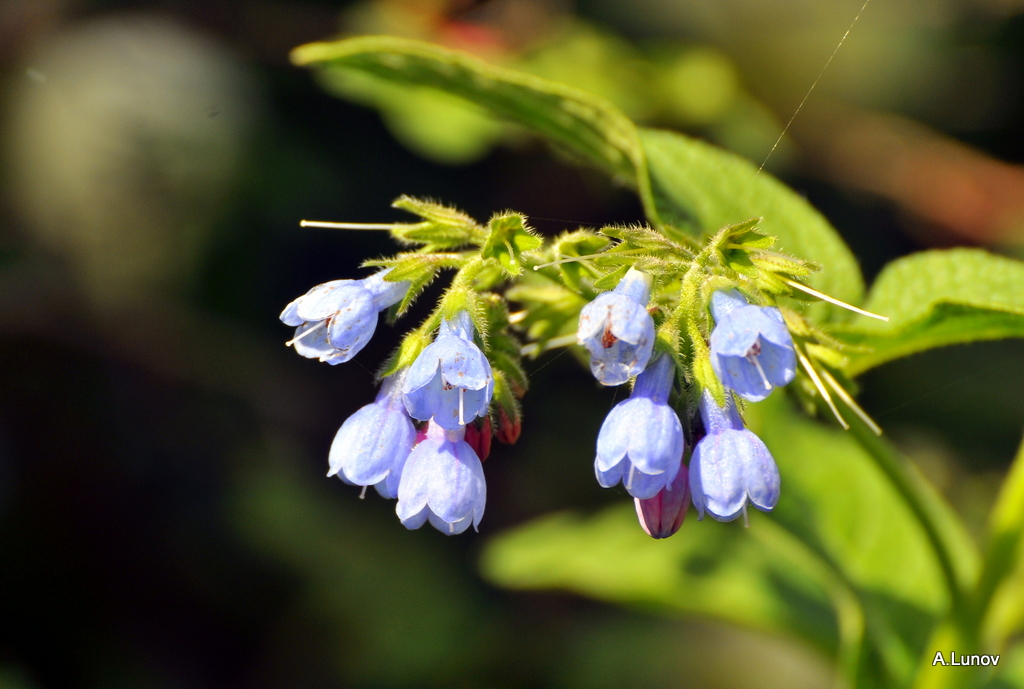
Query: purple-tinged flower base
point(751, 348)
point(730, 466)
point(641, 440)
point(451, 380)
point(371, 447)
point(335, 320)
point(443, 483)
point(662, 515)
point(617, 330)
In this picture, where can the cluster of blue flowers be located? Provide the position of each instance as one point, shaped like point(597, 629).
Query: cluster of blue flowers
point(641, 443)
point(436, 472)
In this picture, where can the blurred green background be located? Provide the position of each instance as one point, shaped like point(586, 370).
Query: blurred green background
point(164, 520)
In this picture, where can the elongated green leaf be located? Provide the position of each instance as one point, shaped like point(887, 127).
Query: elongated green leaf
point(835, 495)
point(703, 188)
point(839, 501)
point(1000, 592)
point(937, 298)
point(699, 188)
point(706, 569)
point(587, 125)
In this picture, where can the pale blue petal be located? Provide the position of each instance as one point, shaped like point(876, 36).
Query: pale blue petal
point(423, 370)
point(414, 521)
point(414, 489)
point(738, 374)
point(388, 488)
point(462, 363)
point(290, 315)
point(716, 475)
point(384, 293)
point(593, 318)
point(613, 438)
point(451, 529)
point(778, 362)
point(323, 300)
point(459, 325)
point(645, 486)
point(636, 285)
point(352, 325)
point(315, 345)
point(655, 382)
point(457, 487)
point(373, 443)
point(443, 481)
point(761, 475)
point(724, 302)
point(656, 443)
point(612, 476)
point(449, 371)
point(736, 333)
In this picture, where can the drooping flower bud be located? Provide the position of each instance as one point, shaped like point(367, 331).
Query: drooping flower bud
point(478, 435)
point(509, 427)
point(662, 515)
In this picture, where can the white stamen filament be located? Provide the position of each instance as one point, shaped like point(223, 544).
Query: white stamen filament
point(451, 527)
point(362, 493)
point(752, 358)
point(833, 300)
point(295, 339)
point(821, 389)
point(347, 225)
point(629, 479)
point(845, 396)
point(746, 520)
point(462, 406)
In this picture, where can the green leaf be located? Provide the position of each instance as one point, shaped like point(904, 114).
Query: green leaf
point(937, 298)
point(443, 227)
point(508, 239)
point(610, 280)
point(701, 189)
point(697, 187)
point(838, 499)
point(835, 495)
point(1000, 593)
point(586, 125)
point(707, 568)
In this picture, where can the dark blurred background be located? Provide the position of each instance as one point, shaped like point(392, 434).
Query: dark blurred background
point(164, 520)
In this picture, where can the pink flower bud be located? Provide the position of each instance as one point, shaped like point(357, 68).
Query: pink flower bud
point(509, 427)
point(662, 515)
point(479, 437)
